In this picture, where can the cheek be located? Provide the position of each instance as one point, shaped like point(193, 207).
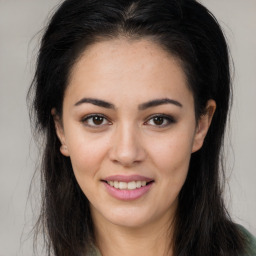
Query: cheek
point(171, 156)
point(87, 154)
point(86, 159)
point(172, 163)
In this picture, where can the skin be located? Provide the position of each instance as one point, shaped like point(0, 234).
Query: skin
point(127, 141)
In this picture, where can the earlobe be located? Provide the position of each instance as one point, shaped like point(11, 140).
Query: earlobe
point(60, 132)
point(203, 125)
point(64, 150)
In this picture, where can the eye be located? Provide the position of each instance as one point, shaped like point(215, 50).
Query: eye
point(160, 120)
point(95, 120)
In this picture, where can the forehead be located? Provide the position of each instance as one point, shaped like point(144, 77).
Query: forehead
point(118, 66)
point(130, 52)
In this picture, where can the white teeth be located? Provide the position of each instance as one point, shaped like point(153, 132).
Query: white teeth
point(132, 185)
point(123, 185)
point(127, 185)
point(116, 184)
point(143, 183)
point(138, 184)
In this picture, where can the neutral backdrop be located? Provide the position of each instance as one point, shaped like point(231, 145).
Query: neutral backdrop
point(20, 25)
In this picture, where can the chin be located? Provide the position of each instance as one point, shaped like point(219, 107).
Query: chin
point(128, 221)
point(129, 217)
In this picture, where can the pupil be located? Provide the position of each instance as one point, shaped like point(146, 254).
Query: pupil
point(158, 120)
point(98, 120)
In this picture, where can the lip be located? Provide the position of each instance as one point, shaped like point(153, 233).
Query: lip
point(126, 194)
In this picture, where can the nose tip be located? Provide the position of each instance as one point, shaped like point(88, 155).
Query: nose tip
point(126, 158)
point(127, 149)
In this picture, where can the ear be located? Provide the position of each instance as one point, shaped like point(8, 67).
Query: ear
point(203, 125)
point(60, 132)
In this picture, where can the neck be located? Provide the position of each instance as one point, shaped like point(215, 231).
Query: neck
point(115, 240)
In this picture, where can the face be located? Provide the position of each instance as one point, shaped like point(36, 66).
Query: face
point(129, 128)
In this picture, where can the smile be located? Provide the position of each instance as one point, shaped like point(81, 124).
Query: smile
point(127, 185)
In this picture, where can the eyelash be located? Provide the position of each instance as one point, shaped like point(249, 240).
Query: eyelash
point(86, 120)
point(165, 118)
point(168, 120)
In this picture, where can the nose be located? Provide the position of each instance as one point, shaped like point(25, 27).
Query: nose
point(127, 147)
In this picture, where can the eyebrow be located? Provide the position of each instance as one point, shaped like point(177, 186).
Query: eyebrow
point(97, 102)
point(158, 102)
point(143, 106)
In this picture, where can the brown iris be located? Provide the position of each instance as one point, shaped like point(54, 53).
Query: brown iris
point(158, 120)
point(98, 120)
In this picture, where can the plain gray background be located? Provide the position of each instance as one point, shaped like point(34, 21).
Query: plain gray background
point(20, 22)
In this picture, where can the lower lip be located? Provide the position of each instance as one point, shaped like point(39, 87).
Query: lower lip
point(126, 194)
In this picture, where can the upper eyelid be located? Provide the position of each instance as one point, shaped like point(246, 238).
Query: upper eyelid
point(161, 115)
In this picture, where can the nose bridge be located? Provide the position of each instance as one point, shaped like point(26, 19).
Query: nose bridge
point(127, 148)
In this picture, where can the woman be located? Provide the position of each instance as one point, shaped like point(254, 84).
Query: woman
point(132, 98)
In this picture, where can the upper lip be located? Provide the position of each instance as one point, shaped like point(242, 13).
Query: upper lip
point(129, 178)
